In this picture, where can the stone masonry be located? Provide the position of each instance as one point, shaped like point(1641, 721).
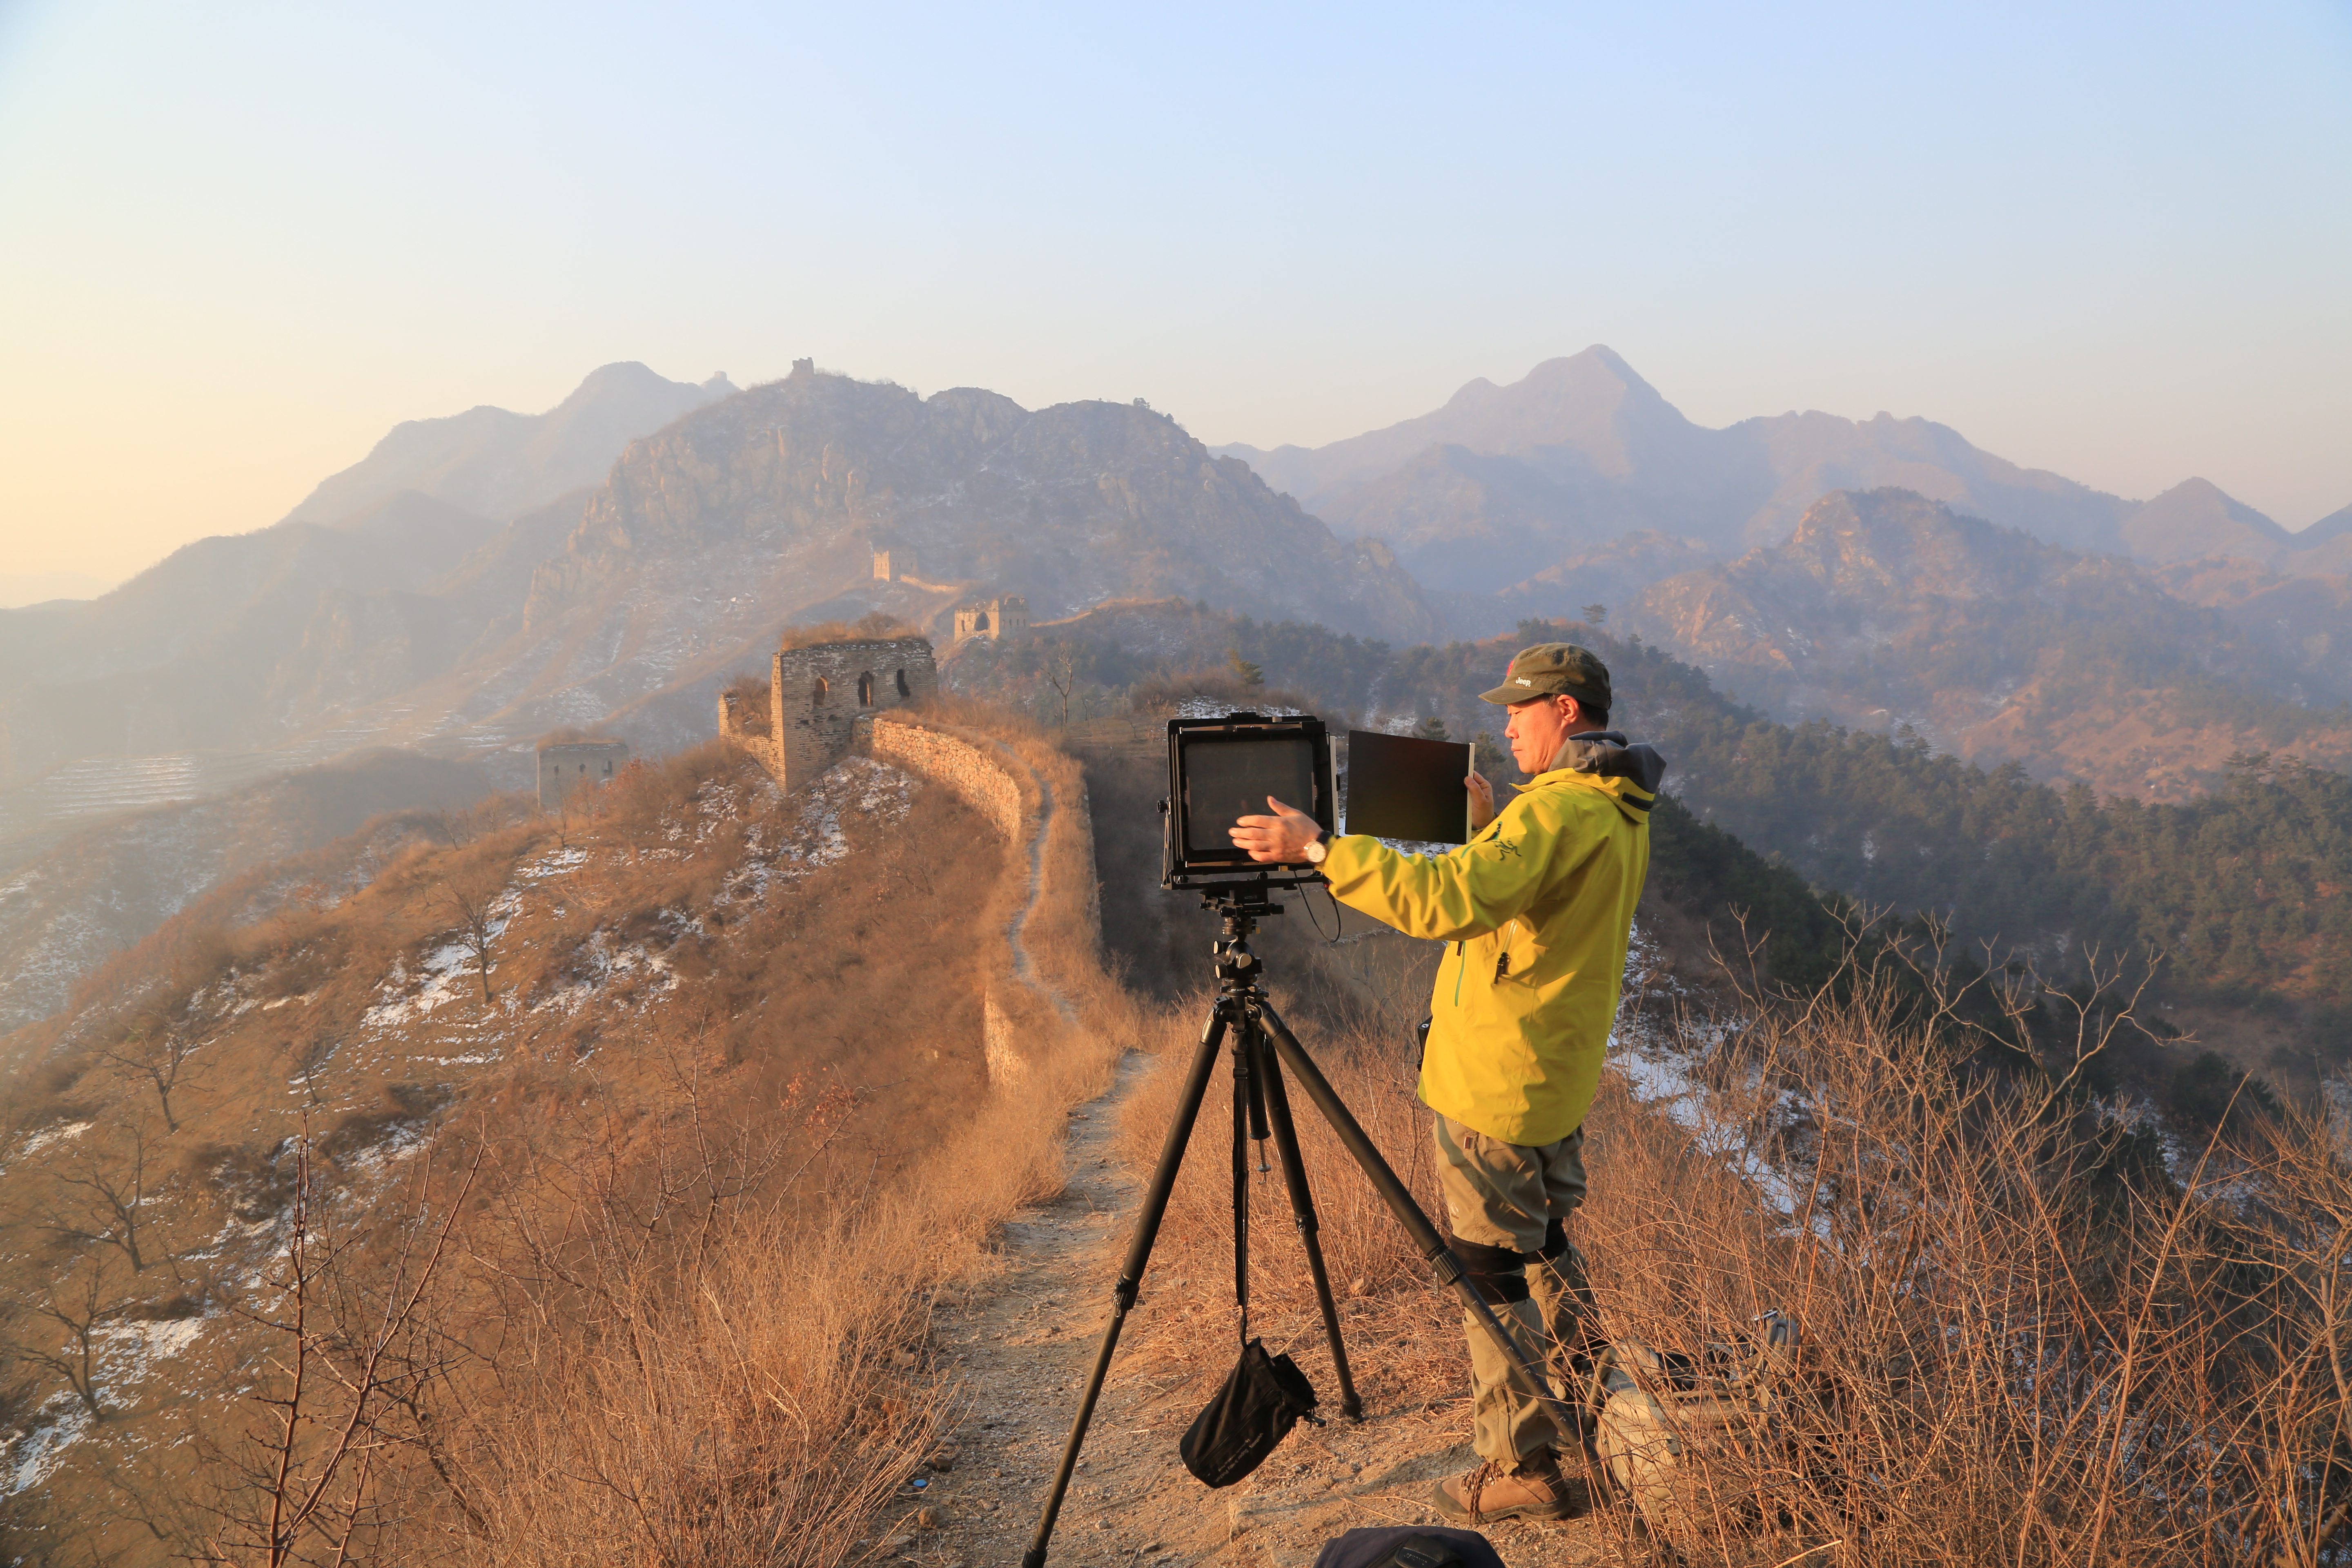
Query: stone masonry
point(817, 695)
point(577, 765)
point(969, 769)
point(995, 619)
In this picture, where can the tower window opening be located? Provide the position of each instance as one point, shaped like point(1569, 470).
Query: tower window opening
point(866, 689)
point(817, 692)
point(902, 684)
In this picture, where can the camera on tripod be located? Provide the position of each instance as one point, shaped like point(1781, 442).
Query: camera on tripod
point(1220, 770)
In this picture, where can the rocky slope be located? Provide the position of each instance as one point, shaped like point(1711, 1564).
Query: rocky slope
point(1885, 608)
point(67, 909)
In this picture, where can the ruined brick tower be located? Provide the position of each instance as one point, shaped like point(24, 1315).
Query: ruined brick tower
point(893, 566)
point(816, 696)
point(994, 619)
point(568, 765)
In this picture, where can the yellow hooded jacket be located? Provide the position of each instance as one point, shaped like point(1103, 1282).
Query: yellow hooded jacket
point(1539, 907)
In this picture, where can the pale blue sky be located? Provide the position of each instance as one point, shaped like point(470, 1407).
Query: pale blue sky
point(236, 244)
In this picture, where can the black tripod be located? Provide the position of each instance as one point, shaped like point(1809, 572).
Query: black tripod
point(1263, 1046)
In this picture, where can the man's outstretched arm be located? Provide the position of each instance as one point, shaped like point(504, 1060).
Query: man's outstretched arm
point(1442, 898)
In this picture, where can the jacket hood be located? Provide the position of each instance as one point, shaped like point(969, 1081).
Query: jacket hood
point(1606, 754)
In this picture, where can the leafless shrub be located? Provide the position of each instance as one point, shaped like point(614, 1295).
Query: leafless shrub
point(878, 626)
point(343, 1386)
point(2028, 1340)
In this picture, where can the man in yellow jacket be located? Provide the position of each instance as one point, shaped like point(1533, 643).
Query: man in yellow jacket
point(1537, 908)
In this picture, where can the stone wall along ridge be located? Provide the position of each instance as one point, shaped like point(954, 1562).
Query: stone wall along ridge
point(1005, 790)
point(987, 776)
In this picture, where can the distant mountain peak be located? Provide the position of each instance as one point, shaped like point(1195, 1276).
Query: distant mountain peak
point(497, 464)
point(2336, 524)
point(2196, 520)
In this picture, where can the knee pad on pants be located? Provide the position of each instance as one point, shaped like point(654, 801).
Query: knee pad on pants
point(1498, 1273)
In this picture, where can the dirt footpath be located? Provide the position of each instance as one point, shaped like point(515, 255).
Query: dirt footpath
point(1021, 1355)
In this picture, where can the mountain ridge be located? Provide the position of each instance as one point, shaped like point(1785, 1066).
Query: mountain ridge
point(1582, 449)
point(1885, 608)
point(497, 463)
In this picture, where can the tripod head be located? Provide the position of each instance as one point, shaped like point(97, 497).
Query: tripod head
point(1241, 906)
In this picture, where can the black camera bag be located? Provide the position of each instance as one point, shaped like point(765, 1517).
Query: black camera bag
point(1263, 1398)
point(1411, 1546)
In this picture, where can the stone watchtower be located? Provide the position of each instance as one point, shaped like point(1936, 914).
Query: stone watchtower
point(893, 566)
point(816, 695)
point(995, 619)
point(569, 765)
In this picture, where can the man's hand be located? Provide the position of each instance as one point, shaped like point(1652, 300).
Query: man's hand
point(1281, 838)
point(1481, 801)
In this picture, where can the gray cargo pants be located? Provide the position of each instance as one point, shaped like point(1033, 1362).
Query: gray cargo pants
point(1509, 1199)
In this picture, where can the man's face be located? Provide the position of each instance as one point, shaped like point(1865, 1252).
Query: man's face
point(1536, 729)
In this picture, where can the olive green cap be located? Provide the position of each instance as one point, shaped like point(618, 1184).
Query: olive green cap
point(1554, 669)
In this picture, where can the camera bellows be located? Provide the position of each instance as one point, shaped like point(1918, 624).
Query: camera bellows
point(1262, 1400)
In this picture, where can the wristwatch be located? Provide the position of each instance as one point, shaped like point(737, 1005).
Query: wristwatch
point(1319, 849)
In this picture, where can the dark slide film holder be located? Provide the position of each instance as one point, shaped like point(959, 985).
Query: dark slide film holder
point(1401, 786)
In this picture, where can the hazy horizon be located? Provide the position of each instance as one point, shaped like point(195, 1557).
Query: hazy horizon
point(2103, 241)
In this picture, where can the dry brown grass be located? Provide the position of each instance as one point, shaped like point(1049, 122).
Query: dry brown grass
point(2025, 1342)
point(877, 627)
point(683, 1319)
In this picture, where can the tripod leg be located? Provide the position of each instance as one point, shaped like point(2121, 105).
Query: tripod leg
point(1302, 1206)
point(1244, 1099)
point(1450, 1272)
point(1130, 1272)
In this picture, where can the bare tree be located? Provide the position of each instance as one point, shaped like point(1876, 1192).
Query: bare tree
point(304, 1487)
point(1061, 672)
point(472, 898)
point(83, 1305)
point(105, 1191)
point(156, 1052)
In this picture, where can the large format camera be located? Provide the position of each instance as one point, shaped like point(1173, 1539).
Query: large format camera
point(1220, 770)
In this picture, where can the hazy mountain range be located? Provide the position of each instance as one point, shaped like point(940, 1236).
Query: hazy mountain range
point(497, 464)
point(1884, 609)
point(479, 580)
point(414, 620)
point(1502, 482)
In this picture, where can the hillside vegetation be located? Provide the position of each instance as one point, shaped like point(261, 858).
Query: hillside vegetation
point(2033, 1335)
point(574, 1188)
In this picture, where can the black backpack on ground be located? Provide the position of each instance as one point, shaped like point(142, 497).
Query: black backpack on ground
point(1413, 1546)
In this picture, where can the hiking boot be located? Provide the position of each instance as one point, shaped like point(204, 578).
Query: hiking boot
point(1534, 1489)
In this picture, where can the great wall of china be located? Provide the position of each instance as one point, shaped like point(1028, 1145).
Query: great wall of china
point(826, 701)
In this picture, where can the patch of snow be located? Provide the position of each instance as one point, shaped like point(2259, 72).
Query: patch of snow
point(127, 1352)
point(446, 973)
point(33, 1458)
point(57, 1134)
point(556, 864)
